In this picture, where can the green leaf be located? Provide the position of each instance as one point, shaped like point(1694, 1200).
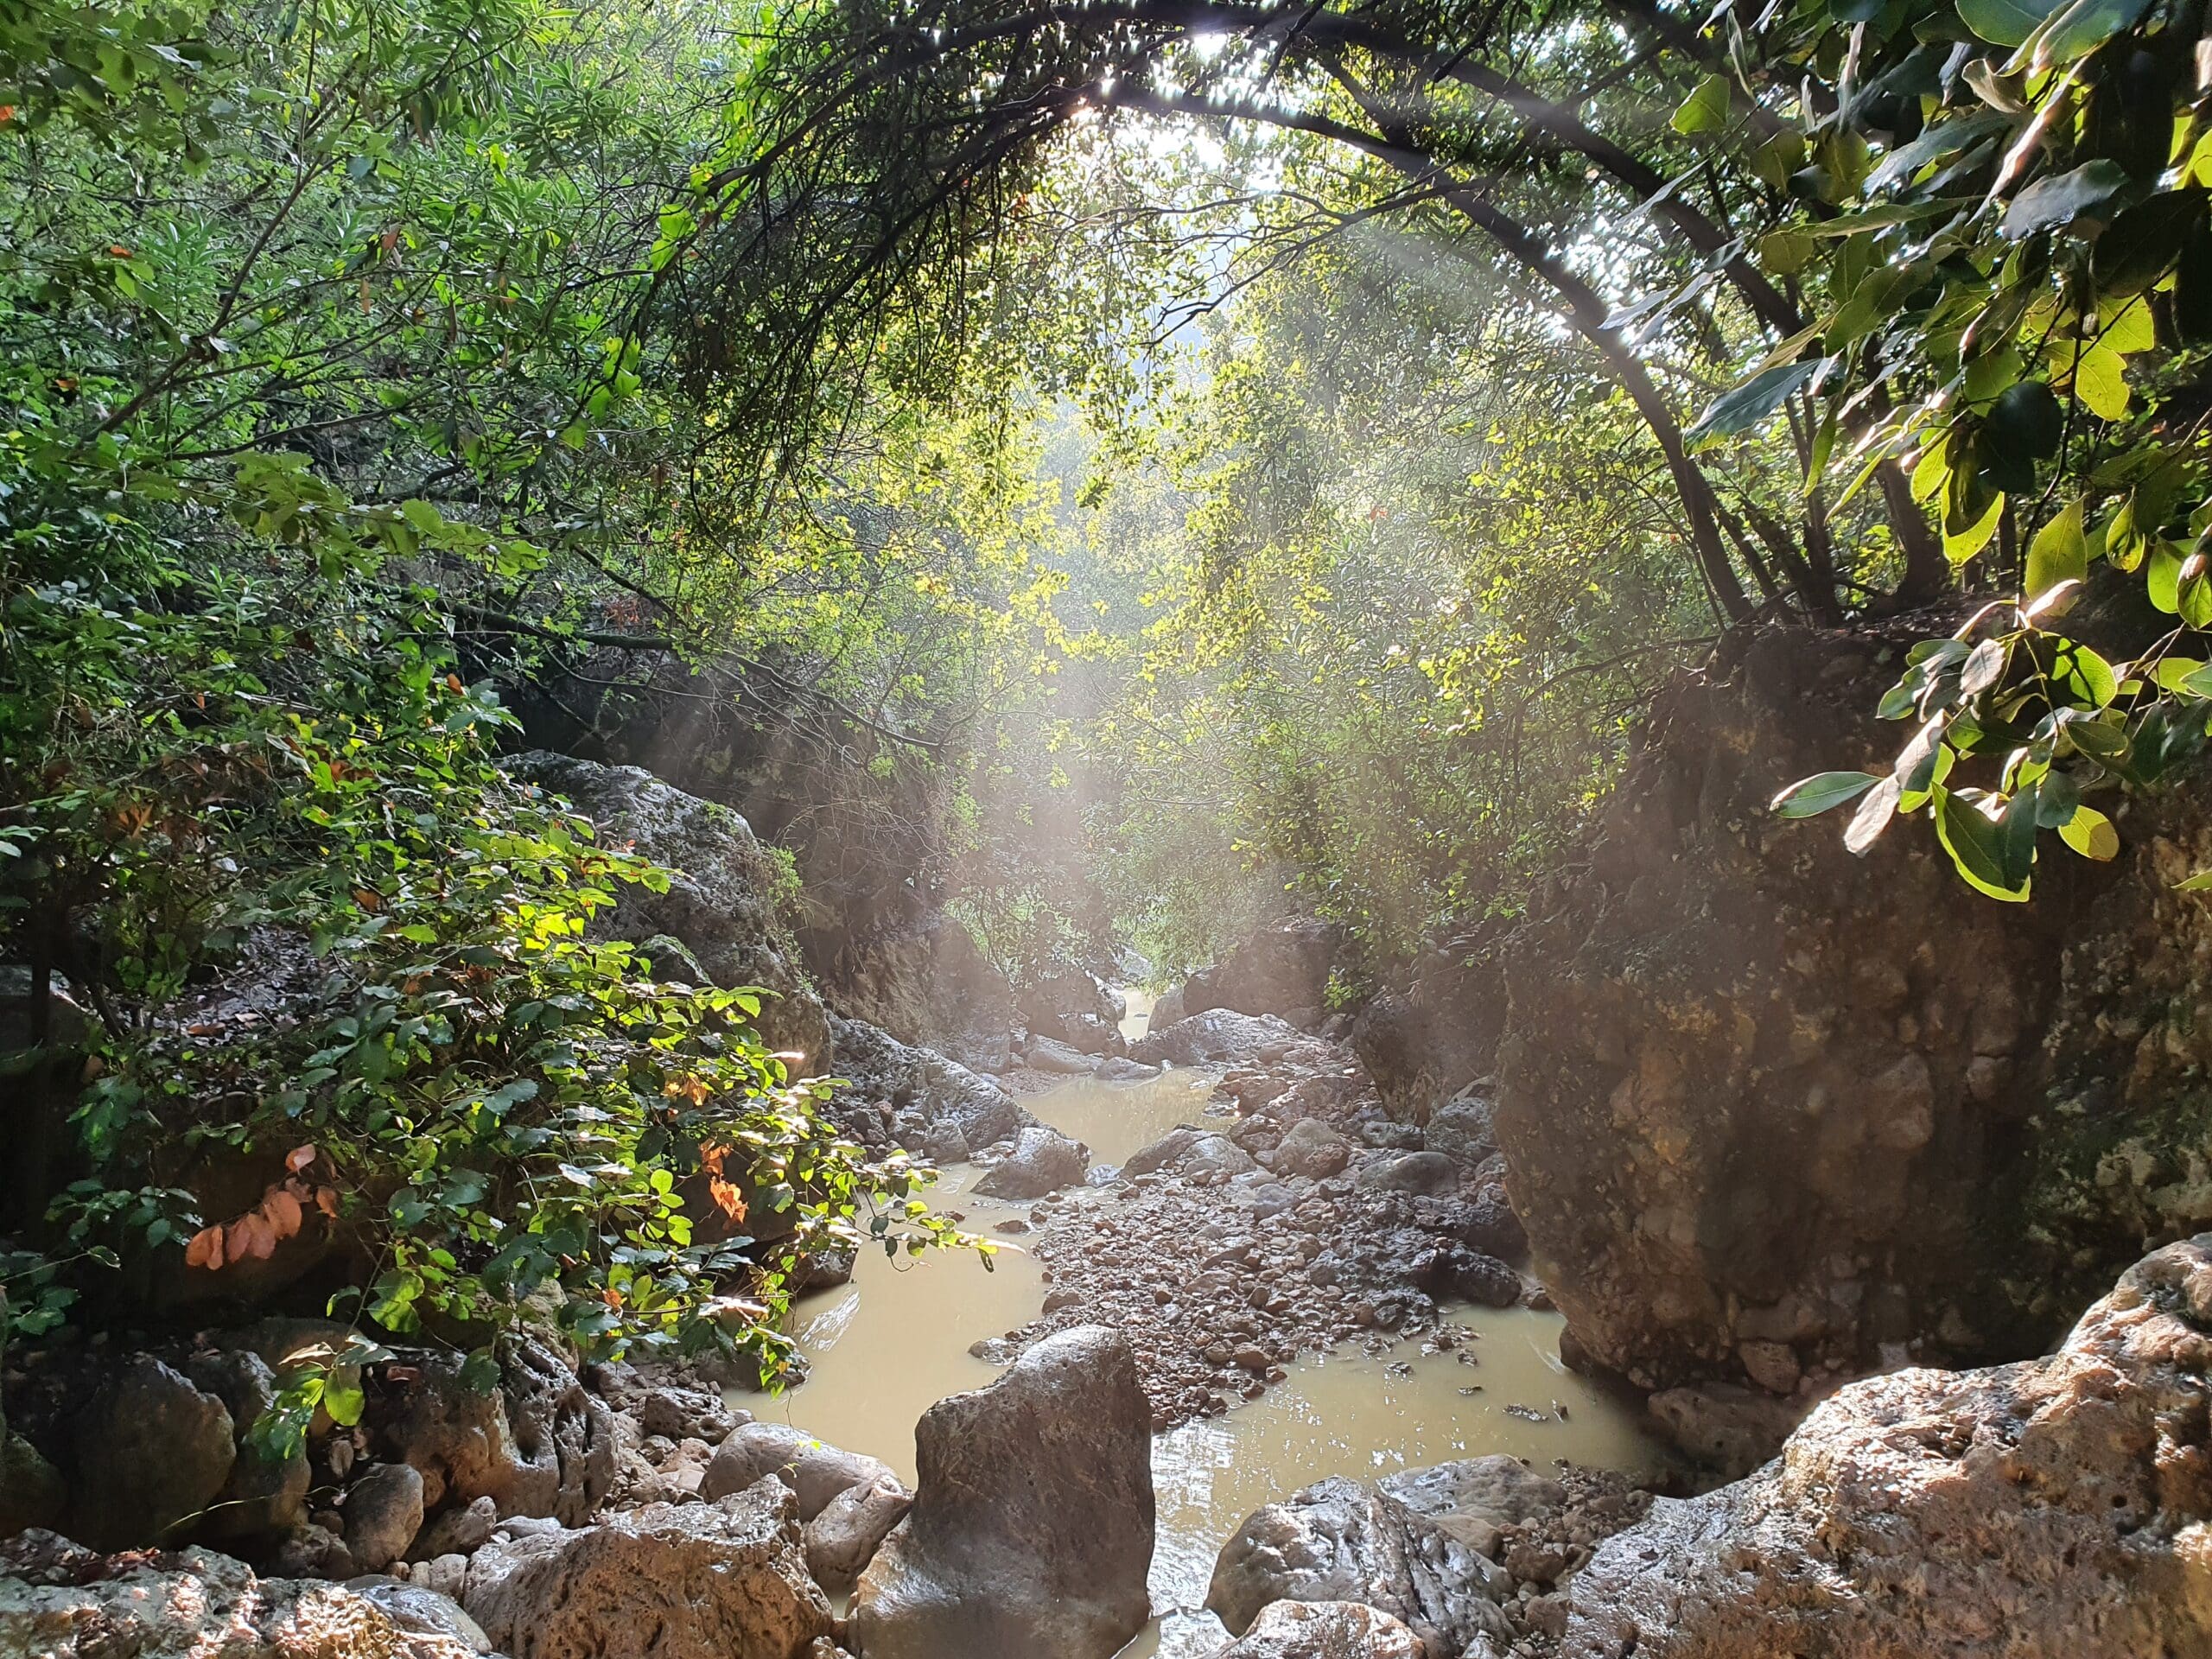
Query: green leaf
point(2101, 381)
point(2086, 676)
point(2005, 23)
point(2201, 882)
point(345, 1402)
point(1752, 404)
point(1985, 851)
point(1964, 545)
point(1706, 110)
point(2083, 27)
point(1809, 796)
point(2089, 833)
point(2060, 552)
point(2049, 203)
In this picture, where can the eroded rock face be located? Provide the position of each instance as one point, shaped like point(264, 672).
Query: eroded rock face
point(1755, 1091)
point(1424, 1040)
point(1417, 1545)
point(1325, 1629)
point(1280, 970)
point(1032, 1528)
point(540, 1444)
point(721, 905)
point(196, 1604)
point(896, 1087)
point(2056, 1507)
point(719, 1580)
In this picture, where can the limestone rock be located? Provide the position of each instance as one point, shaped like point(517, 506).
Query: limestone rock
point(1032, 1529)
point(152, 1451)
point(423, 1609)
point(1217, 1037)
point(539, 1444)
point(721, 904)
point(1325, 1629)
point(197, 1604)
point(842, 1539)
point(2054, 1508)
point(1728, 1428)
point(1043, 1160)
point(1463, 1129)
point(1310, 1147)
point(383, 1511)
point(32, 1493)
point(261, 1495)
point(680, 1413)
point(1416, 1546)
point(1280, 970)
point(718, 1581)
point(1413, 1172)
point(1188, 1152)
point(457, 1532)
point(938, 1092)
point(816, 1471)
point(1067, 1059)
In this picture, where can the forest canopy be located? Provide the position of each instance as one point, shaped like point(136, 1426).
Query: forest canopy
point(1163, 461)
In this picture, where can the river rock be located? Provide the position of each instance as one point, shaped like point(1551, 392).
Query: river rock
point(721, 902)
point(817, 1472)
point(1043, 1160)
point(538, 1445)
point(198, 1604)
point(725, 1579)
point(1416, 1545)
point(1167, 1009)
point(1052, 995)
point(939, 1091)
point(457, 1532)
point(2053, 1509)
point(1119, 1068)
point(1050, 1054)
point(1032, 1531)
point(681, 1414)
point(1463, 1128)
point(383, 1511)
point(423, 1609)
point(1281, 969)
point(152, 1451)
point(1310, 1147)
point(1217, 1037)
point(262, 1496)
point(1188, 1152)
point(1424, 1041)
point(842, 1539)
point(1413, 1172)
point(1325, 1629)
point(1730, 1429)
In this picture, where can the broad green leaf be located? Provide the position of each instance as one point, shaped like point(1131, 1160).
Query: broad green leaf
point(2201, 882)
point(2101, 381)
point(2086, 676)
point(1985, 850)
point(1706, 110)
point(2084, 26)
point(2162, 578)
point(2089, 833)
point(1752, 404)
point(1970, 541)
point(2059, 201)
point(2059, 552)
point(2005, 23)
point(2182, 674)
point(1809, 796)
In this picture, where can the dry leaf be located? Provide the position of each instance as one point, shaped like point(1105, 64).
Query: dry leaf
point(299, 1157)
point(249, 1235)
point(282, 1210)
point(326, 1199)
point(206, 1249)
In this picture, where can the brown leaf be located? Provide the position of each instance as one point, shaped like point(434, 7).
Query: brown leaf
point(282, 1210)
point(249, 1235)
point(206, 1249)
point(326, 1199)
point(299, 1157)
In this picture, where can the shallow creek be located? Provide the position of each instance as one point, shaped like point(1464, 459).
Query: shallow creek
point(888, 1345)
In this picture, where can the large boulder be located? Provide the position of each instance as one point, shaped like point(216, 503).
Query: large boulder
point(925, 981)
point(892, 1082)
point(1282, 969)
point(538, 1445)
point(1424, 1040)
point(1057, 1002)
point(842, 1539)
point(2054, 1508)
point(1217, 1037)
point(721, 905)
point(197, 1604)
point(1044, 1160)
point(1032, 1528)
point(719, 1580)
point(816, 1471)
point(1755, 1090)
point(1419, 1546)
point(152, 1452)
point(1325, 1629)
point(1189, 1152)
point(1309, 1148)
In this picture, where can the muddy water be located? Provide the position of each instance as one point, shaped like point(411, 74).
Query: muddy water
point(894, 1341)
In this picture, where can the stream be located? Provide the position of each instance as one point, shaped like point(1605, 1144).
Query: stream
point(894, 1341)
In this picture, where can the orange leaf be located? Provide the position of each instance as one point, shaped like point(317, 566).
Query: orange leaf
point(453, 683)
point(206, 1249)
point(299, 1157)
point(249, 1235)
point(727, 1199)
point(283, 1211)
point(326, 1199)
